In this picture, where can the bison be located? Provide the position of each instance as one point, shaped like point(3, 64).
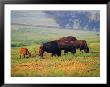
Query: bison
point(67, 46)
point(81, 44)
point(23, 52)
point(50, 47)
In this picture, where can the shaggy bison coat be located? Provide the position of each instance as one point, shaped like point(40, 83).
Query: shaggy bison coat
point(69, 38)
point(66, 45)
point(50, 47)
point(70, 44)
point(23, 52)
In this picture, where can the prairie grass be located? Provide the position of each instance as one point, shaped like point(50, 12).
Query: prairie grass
point(67, 65)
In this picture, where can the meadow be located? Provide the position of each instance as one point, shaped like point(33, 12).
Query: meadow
point(68, 65)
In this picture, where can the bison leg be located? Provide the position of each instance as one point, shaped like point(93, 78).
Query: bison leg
point(41, 55)
point(82, 50)
point(24, 55)
point(58, 53)
point(74, 51)
point(65, 51)
point(53, 54)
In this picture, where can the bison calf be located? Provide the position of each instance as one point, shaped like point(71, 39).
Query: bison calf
point(23, 52)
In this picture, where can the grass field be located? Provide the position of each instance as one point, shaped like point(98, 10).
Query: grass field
point(68, 65)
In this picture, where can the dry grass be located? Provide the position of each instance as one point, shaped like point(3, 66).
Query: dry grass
point(52, 67)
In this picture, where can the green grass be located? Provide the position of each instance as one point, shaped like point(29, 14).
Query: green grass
point(72, 65)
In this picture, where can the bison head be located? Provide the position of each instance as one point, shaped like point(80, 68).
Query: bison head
point(41, 51)
point(86, 49)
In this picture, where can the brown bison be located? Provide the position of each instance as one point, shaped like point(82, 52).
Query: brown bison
point(67, 46)
point(81, 44)
point(70, 43)
point(23, 52)
point(50, 47)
